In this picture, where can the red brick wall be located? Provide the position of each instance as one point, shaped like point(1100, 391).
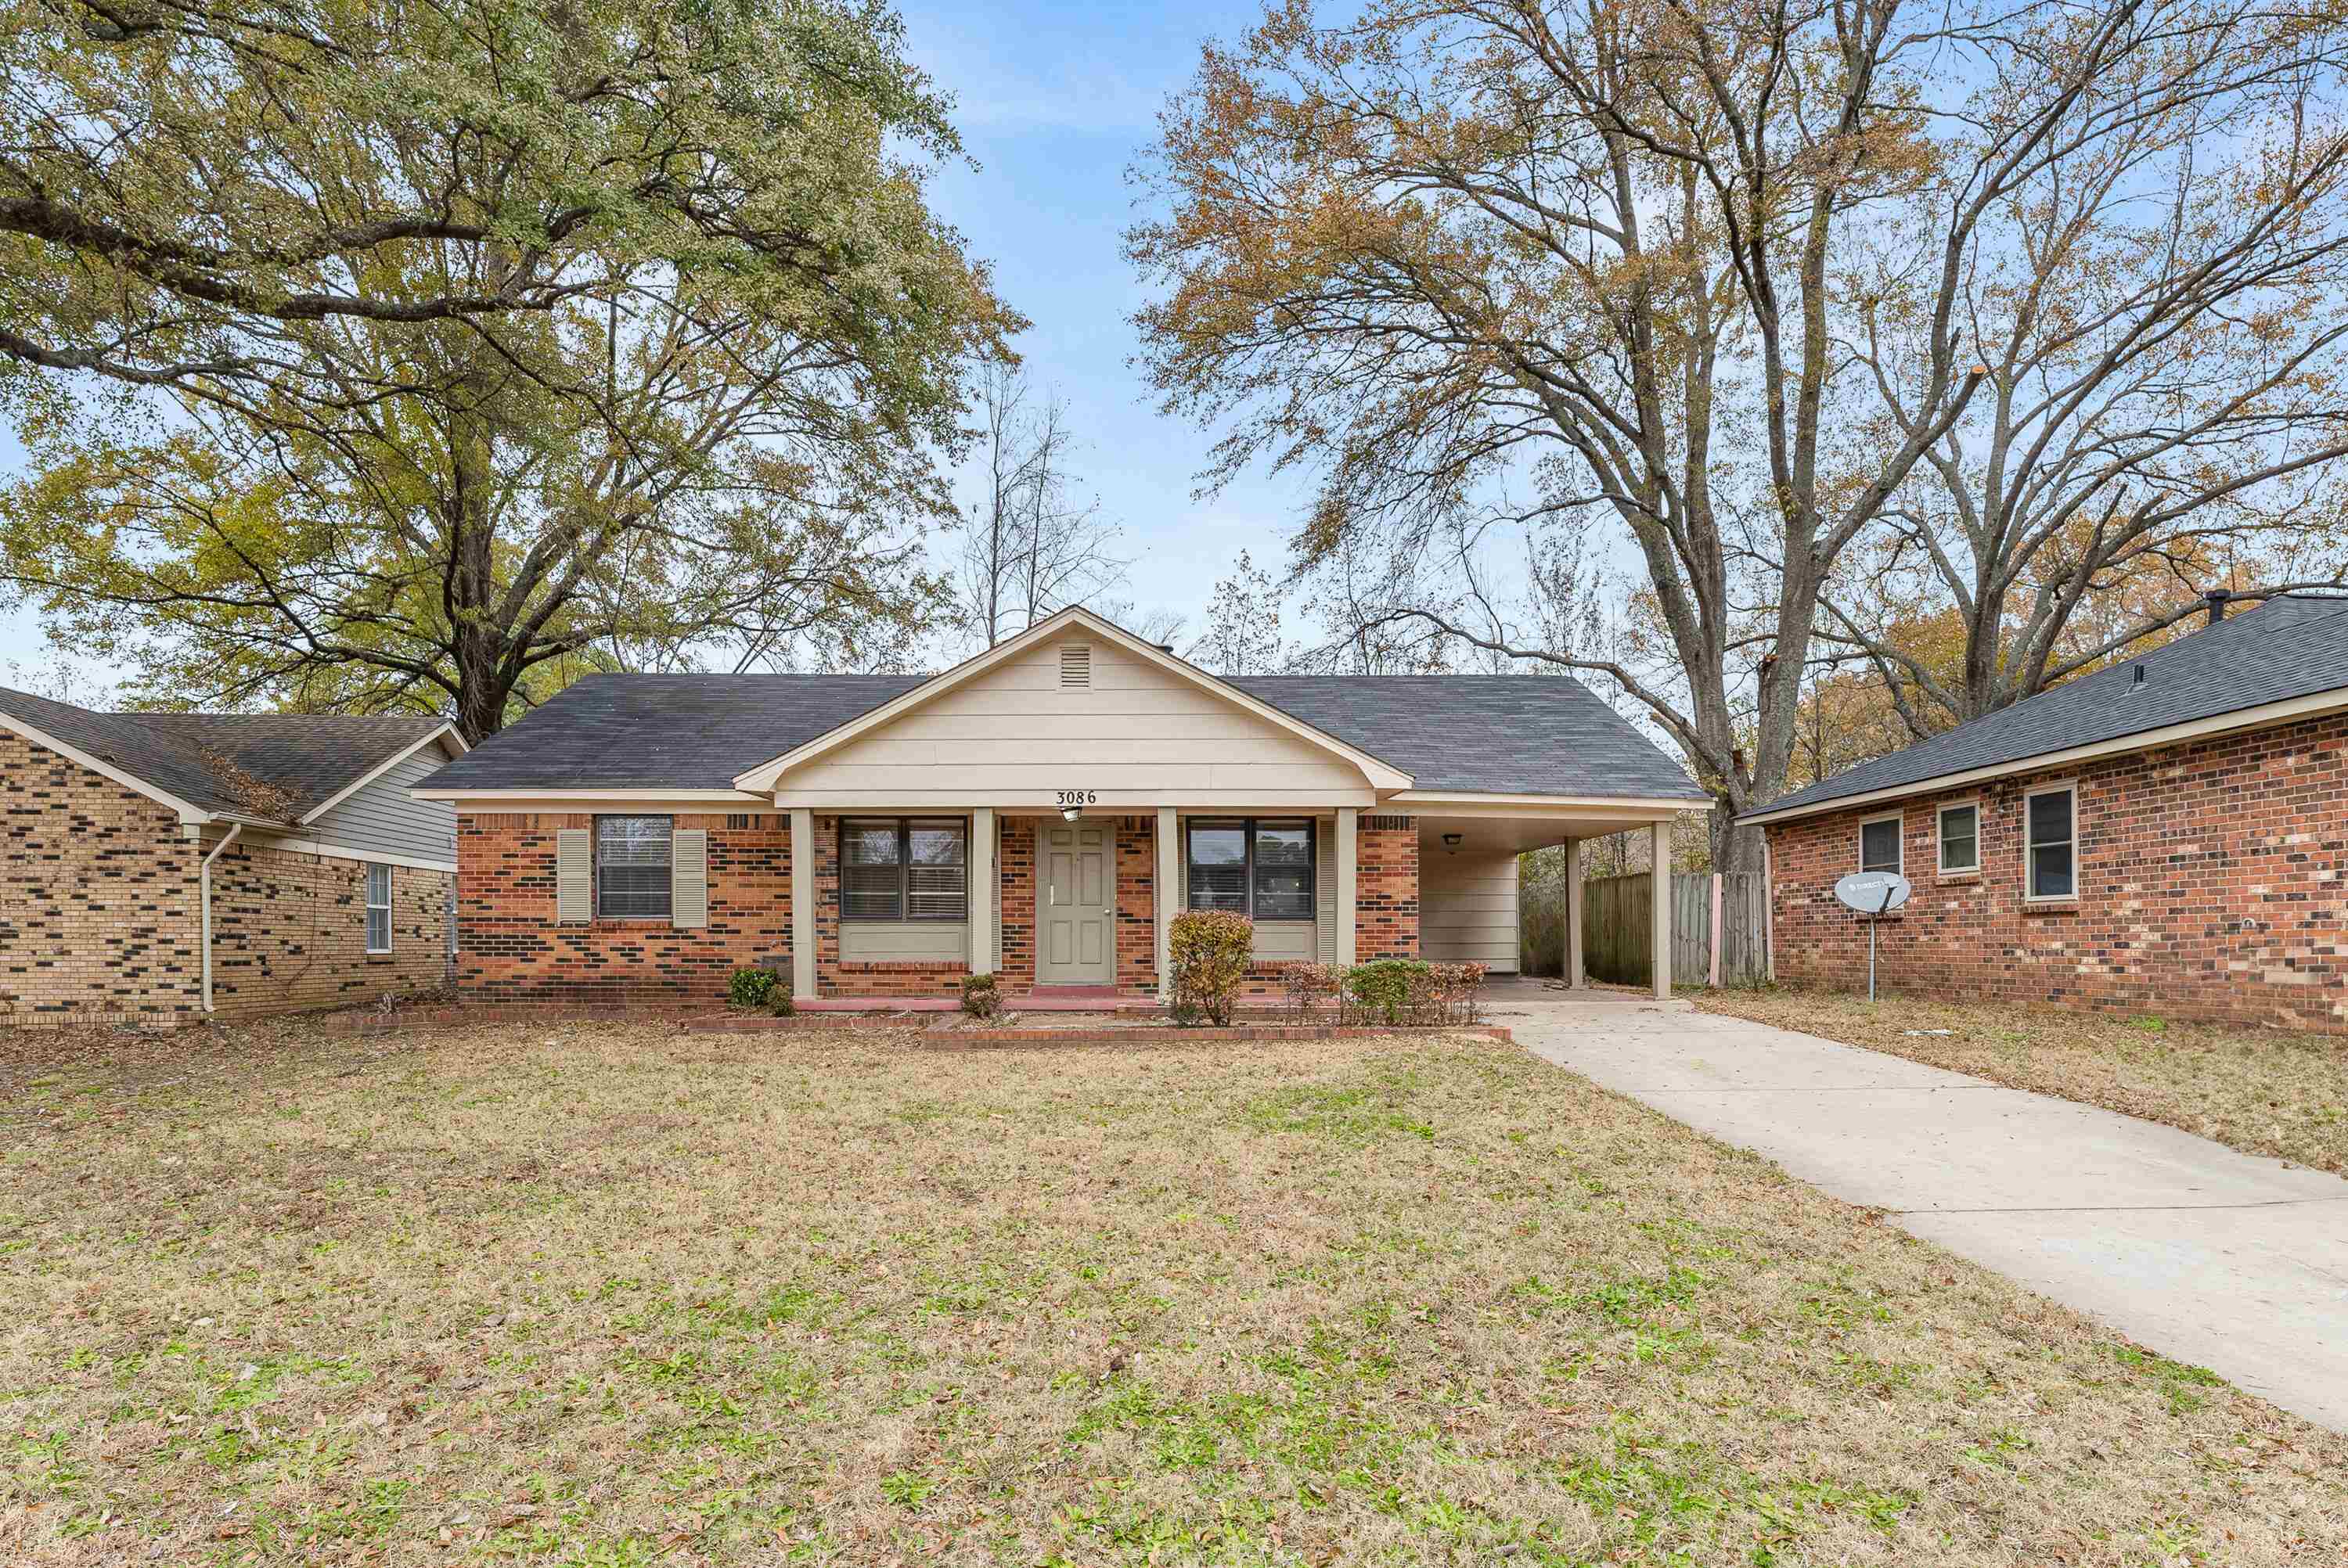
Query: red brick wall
point(97, 899)
point(2210, 888)
point(510, 946)
point(1137, 906)
point(1016, 867)
point(289, 932)
point(1385, 873)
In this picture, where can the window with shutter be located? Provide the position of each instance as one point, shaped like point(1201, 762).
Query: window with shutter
point(632, 867)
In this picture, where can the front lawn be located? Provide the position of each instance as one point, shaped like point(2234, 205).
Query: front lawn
point(2263, 1091)
point(611, 1295)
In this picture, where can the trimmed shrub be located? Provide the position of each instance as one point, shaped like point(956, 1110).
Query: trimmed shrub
point(981, 997)
point(778, 999)
point(1382, 990)
point(1208, 951)
point(1310, 985)
point(752, 991)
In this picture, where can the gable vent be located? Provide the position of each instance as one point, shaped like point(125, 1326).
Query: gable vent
point(1076, 665)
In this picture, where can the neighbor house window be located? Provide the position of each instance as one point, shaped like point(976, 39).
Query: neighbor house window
point(1960, 839)
point(1879, 845)
point(904, 868)
point(632, 867)
point(1259, 869)
point(2050, 854)
point(378, 909)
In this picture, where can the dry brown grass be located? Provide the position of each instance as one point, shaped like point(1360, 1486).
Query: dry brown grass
point(605, 1296)
point(2260, 1091)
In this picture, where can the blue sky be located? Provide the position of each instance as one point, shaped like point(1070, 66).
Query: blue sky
point(1056, 102)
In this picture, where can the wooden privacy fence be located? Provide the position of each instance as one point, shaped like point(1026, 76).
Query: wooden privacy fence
point(1617, 928)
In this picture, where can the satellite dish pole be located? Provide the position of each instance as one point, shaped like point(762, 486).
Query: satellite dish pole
point(1873, 894)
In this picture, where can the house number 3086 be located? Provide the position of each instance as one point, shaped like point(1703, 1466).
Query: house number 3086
point(1078, 797)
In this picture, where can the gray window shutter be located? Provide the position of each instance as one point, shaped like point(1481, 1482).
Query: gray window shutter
point(688, 874)
point(575, 876)
point(1324, 883)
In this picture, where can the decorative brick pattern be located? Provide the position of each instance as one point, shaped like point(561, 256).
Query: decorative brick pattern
point(100, 918)
point(289, 932)
point(2210, 888)
point(1137, 904)
point(1385, 877)
point(97, 899)
point(510, 946)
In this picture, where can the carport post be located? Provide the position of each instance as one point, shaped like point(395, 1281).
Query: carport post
point(1662, 880)
point(803, 904)
point(1573, 913)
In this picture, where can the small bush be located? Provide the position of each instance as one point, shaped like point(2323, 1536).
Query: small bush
point(752, 991)
point(1411, 991)
point(981, 997)
point(1208, 950)
point(778, 998)
point(1310, 985)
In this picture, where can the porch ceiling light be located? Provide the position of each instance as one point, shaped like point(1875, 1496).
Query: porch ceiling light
point(1451, 842)
point(1070, 813)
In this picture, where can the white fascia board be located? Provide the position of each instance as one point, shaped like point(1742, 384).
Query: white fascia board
point(1473, 804)
point(2313, 705)
point(445, 733)
point(566, 799)
point(264, 839)
point(1381, 775)
point(189, 811)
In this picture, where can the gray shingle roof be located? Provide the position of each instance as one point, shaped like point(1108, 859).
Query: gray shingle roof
point(2289, 647)
point(1512, 734)
point(308, 756)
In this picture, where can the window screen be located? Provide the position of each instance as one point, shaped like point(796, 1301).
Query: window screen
point(1263, 869)
point(2054, 871)
point(1879, 846)
point(904, 868)
point(378, 909)
point(1219, 877)
point(632, 867)
point(1960, 838)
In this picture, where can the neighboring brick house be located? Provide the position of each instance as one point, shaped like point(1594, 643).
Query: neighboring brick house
point(163, 869)
point(2167, 835)
point(639, 836)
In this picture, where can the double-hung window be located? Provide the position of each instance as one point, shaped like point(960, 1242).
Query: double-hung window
point(632, 868)
point(2051, 852)
point(1879, 845)
point(378, 909)
point(1960, 838)
point(904, 868)
point(1257, 867)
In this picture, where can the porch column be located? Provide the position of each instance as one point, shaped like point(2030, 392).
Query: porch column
point(802, 903)
point(1348, 936)
point(1661, 831)
point(1573, 913)
point(1166, 892)
point(982, 889)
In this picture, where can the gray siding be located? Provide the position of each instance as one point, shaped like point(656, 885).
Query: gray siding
point(381, 818)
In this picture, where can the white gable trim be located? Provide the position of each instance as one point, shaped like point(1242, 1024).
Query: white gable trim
point(765, 777)
point(189, 811)
point(446, 732)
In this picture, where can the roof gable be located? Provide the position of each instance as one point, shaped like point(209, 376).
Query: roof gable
point(2289, 651)
point(1030, 661)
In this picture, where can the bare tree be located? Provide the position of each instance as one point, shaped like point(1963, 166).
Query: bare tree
point(1243, 635)
point(1030, 546)
point(1620, 249)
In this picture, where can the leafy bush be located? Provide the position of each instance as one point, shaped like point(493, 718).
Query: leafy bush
point(1310, 985)
point(752, 991)
point(1208, 950)
point(981, 997)
point(1411, 991)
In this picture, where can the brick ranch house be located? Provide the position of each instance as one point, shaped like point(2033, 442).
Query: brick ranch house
point(165, 868)
point(2165, 835)
point(1039, 812)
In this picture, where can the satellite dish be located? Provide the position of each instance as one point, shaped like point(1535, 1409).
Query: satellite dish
point(1873, 892)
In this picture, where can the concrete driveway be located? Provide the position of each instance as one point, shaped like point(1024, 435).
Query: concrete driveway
point(2229, 1261)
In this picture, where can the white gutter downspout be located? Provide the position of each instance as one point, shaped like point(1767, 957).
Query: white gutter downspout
point(204, 904)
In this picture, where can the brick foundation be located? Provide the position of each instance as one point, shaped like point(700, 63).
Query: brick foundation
point(2210, 888)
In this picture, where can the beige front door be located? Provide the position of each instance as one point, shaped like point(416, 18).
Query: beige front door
point(1075, 907)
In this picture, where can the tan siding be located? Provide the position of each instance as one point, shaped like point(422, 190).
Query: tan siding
point(1467, 908)
point(896, 941)
point(1285, 940)
point(1017, 729)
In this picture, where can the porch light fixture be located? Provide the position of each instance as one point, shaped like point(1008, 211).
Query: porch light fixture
point(1070, 813)
point(1451, 842)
